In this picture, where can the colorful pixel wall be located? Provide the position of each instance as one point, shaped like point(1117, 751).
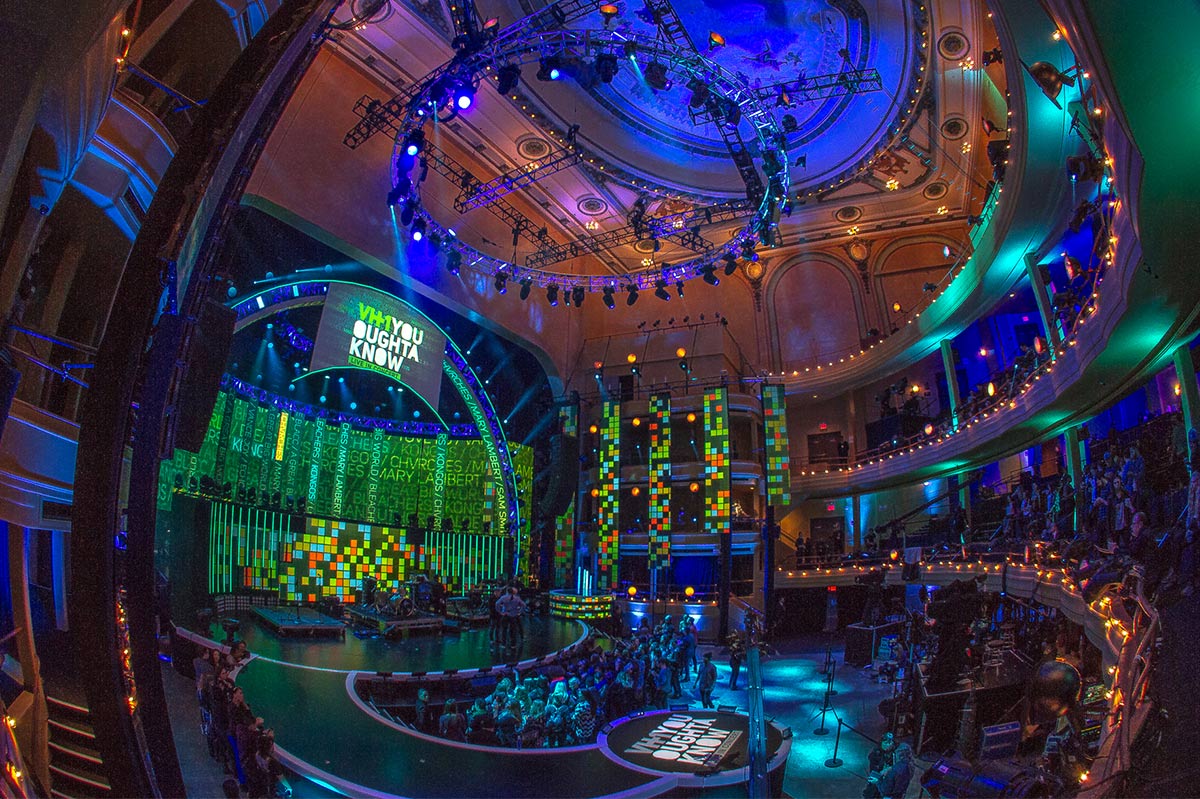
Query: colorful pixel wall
point(775, 434)
point(608, 520)
point(717, 511)
point(660, 481)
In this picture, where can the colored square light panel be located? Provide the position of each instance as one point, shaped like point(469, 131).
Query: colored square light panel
point(608, 520)
point(775, 434)
point(717, 515)
point(660, 481)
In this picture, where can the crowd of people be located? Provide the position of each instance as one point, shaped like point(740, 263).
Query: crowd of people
point(236, 738)
point(565, 703)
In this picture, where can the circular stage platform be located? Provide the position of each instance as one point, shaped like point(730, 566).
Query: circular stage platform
point(304, 689)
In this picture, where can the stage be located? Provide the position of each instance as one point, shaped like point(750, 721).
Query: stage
point(418, 622)
point(304, 689)
point(299, 621)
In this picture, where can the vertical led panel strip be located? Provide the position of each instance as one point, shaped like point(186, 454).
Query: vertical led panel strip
point(243, 547)
point(660, 481)
point(608, 521)
point(775, 434)
point(564, 525)
point(716, 461)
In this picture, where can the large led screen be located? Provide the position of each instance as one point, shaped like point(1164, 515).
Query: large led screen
point(366, 329)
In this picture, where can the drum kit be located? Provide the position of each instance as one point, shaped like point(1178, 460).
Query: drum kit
point(387, 602)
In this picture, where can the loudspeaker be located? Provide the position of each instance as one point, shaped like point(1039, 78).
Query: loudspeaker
point(563, 475)
point(204, 363)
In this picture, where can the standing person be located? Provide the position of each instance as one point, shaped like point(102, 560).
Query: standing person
point(737, 651)
point(495, 617)
point(707, 680)
point(878, 762)
point(894, 782)
point(452, 724)
point(511, 606)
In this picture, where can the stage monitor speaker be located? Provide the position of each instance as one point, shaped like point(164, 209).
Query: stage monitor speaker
point(204, 363)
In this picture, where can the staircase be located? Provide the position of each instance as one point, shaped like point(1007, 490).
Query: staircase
point(76, 770)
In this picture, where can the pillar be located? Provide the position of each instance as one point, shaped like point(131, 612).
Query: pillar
point(951, 380)
point(1185, 373)
point(1041, 293)
point(856, 510)
point(29, 709)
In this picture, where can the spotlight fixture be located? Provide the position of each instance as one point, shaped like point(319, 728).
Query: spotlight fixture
point(700, 93)
point(679, 288)
point(454, 263)
point(633, 294)
point(609, 302)
point(896, 307)
point(526, 287)
point(790, 125)
point(748, 251)
point(508, 78)
point(1049, 79)
point(609, 11)
point(501, 283)
point(660, 290)
point(730, 264)
point(577, 294)
point(606, 67)
point(397, 194)
point(418, 229)
point(715, 40)
point(414, 142)
point(656, 76)
point(552, 295)
point(407, 211)
point(993, 56)
point(464, 95)
point(708, 273)
point(929, 288)
point(684, 366)
point(549, 68)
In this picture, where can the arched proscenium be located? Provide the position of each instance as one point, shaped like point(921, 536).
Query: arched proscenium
point(684, 65)
point(301, 293)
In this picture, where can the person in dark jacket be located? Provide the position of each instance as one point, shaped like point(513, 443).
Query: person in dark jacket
point(894, 782)
point(707, 680)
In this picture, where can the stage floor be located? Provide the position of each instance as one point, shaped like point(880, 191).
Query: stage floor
point(429, 652)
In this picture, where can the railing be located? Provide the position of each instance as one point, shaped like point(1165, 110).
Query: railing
point(50, 367)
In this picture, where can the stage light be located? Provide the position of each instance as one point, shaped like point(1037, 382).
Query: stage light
point(577, 294)
point(609, 11)
point(689, 592)
point(609, 302)
point(595, 492)
point(691, 417)
point(606, 67)
point(501, 283)
point(464, 96)
point(928, 429)
point(993, 56)
point(508, 78)
point(633, 294)
point(406, 212)
point(656, 76)
point(929, 288)
point(699, 91)
point(894, 555)
point(414, 142)
point(693, 487)
point(715, 40)
point(549, 68)
point(681, 353)
point(454, 263)
point(631, 358)
point(552, 295)
point(526, 286)
point(593, 429)
point(632, 591)
point(896, 307)
point(679, 288)
point(660, 290)
point(684, 366)
point(636, 491)
point(418, 229)
point(991, 389)
point(1049, 79)
point(730, 264)
point(790, 125)
point(708, 274)
point(399, 191)
point(748, 251)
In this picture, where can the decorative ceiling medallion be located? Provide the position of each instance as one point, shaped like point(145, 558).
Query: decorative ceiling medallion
point(935, 191)
point(533, 148)
point(953, 45)
point(592, 206)
point(858, 251)
point(644, 246)
point(955, 128)
point(848, 213)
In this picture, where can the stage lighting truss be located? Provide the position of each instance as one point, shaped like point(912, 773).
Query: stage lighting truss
point(742, 109)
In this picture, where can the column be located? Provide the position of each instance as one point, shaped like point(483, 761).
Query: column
point(29, 709)
point(856, 510)
point(1185, 373)
point(951, 380)
point(1041, 293)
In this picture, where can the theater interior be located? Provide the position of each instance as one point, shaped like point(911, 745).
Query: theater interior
point(456, 398)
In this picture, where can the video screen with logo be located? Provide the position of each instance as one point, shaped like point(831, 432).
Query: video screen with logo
point(362, 328)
